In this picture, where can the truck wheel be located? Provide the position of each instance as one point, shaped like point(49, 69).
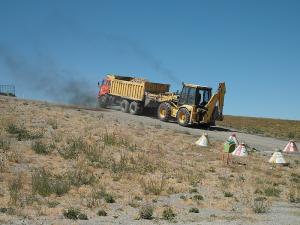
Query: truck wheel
point(183, 117)
point(164, 111)
point(134, 108)
point(124, 106)
point(103, 101)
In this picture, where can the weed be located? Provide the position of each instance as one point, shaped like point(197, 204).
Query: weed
point(272, 191)
point(22, 133)
point(146, 212)
point(40, 148)
point(110, 139)
point(106, 196)
point(260, 205)
point(4, 143)
point(228, 194)
point(193, 190)
point(153, 186)
point(15, 187)
point(101, 212)
point(52, 204)
point(73, 148)
point(53, 123)
point(71, 213)
point(3, 163)
point(168, 214)
point(194, 210)
point(198, 197)
point(82, 216)
point(45, 184)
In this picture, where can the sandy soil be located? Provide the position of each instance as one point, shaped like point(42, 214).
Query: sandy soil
point(169, 152)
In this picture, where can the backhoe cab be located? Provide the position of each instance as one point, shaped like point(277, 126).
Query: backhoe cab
point(195, 105)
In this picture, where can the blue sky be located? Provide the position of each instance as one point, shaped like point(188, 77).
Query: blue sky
point(254, 46)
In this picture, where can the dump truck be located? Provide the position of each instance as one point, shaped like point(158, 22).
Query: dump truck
point(194, 105)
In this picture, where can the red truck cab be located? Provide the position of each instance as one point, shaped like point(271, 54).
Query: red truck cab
point(104, 87)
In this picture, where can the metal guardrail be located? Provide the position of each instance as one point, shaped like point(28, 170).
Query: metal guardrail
point(8, 90)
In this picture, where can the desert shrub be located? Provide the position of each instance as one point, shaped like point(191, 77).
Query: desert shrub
point(294, 194)
point(40, 148)
point(22, 133)
point(295, 178)
point(228, 194)
point(168, 214)
point(194, 210)
point(193, 190)
point(198, 197)
point(101, 212)
point(146, 212)
point(272, 191)
point(106, 196)
point(110, 139)
point(53, 123)
point(45, 184)
point(81, 174)
point(260, 205)
point(71, 213)
point(4, 143)
point(3, 163)
point(73, 148)
point(82, 216)
point(52, 204)
point(153, 186)
point(120, 165)
point(41, 182)
point(109, 198)
point(15, 186)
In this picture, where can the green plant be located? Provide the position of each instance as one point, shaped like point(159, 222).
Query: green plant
point(71, 213)
point(168, 214)
point(4, 143)
point(52, 204)
point(193, 190)
point(40, 148)
point(153, 186)
point(194, 210)
point(272, 191)
point(15, 186)
point(228, 194)
point(198, 197)
point(260, 205)
point(82, 216)
point(146, 212)
point(73, 148)
point(101, 212)
point(22, 133)
point(45, 184)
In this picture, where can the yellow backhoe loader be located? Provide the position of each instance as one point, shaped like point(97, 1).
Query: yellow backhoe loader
point(194, 105)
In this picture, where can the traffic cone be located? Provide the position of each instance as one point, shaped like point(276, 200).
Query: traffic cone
point(291, 147)
point(277, 158)
point(240, 150)
point(234, 139)
point(203, 140)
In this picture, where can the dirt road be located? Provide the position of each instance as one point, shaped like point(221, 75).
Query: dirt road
point(260, 143)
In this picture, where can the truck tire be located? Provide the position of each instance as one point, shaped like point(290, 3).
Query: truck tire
point(164, 112)
point(183, 117)
point(134, 108)
point(103, 101)
point(124, 106)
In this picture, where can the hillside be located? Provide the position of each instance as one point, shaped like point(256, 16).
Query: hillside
point(283, 129)
point(104, 167)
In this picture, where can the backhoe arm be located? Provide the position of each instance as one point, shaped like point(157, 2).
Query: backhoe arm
point(216, 100)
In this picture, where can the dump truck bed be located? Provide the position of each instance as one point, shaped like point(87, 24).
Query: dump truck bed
point(135, 89)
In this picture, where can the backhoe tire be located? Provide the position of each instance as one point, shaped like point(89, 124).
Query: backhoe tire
point(164, 112)
point(124, 106)
point(134, 108)
point(183, 117)
point(103, 101)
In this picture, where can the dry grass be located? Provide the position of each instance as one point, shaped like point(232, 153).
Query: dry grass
point(81, 161)
point(284, 129)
